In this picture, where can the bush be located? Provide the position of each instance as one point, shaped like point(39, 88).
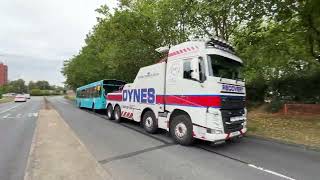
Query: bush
point(275, 106)
point(38, 92)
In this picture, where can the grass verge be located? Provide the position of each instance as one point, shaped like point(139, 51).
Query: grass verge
point(6, 99)
point(72, 98)
point(297, 129)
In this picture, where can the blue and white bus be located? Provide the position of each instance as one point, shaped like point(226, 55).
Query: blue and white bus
point(93, 95)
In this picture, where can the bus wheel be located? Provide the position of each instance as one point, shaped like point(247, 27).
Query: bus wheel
point(109, 112)
point(149, 122)
point(181, 129)
point(92, 108)
point(79, 105)
point(117, 114)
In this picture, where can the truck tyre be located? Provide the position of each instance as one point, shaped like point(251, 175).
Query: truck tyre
point(109, 112)
point(181, 129)
point(117, 114)
point(150, 122)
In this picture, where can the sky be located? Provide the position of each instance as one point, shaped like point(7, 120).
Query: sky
point(36, 36)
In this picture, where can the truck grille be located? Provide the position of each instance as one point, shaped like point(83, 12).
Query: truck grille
point(231, 126)
point(232, 102)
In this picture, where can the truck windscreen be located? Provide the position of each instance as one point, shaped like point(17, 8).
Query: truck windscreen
point(220, 66)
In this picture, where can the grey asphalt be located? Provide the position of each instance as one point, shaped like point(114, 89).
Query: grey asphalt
point(17, 124)
point(129, 153)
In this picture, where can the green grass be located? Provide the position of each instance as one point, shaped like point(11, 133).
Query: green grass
point(6, 99)
point(70, 97)
point(298, 129)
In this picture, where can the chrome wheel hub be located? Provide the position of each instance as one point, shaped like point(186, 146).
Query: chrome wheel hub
point(180, 130)
point(149, 122)
point(116, 115)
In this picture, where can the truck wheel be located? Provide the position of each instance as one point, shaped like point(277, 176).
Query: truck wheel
point(149, 122)
point(109, 112)
point(181, 129)
point(117, 114)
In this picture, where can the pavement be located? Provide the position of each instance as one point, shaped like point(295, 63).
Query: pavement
point(127, 152)
point(17, 124)
point(57, 153)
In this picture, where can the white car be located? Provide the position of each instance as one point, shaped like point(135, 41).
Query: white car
point(20, 98)
point(27, 96)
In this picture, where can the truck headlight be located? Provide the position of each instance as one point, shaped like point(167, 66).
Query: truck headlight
point(244, 124)
point(214, 131)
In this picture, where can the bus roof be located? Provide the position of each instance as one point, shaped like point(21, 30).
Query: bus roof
point(102, 82)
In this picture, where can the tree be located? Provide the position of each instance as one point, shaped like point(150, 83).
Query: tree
point(278, 40)
point(43, 85)
point(17, 86)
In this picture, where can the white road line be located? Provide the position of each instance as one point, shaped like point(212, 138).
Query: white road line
point(63, 102)
point(10, 108)
point(6, 116)
point(270, 172)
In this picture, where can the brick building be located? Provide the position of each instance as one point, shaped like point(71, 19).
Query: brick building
point(3, 74)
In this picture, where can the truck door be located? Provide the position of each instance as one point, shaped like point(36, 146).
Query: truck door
point(185, 77)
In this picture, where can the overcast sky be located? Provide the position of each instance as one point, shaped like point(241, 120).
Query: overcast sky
point(37, 35)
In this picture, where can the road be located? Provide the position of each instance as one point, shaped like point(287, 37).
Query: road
point(129, 153)
point(17, 124)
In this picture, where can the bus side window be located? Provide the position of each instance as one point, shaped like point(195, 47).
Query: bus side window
point(92, 91)
point(88, 93)
point(83, 93)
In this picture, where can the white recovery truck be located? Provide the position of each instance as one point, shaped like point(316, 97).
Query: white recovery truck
point(196, 92)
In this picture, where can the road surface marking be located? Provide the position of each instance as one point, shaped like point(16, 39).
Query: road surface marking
point(18, 116)
point(6, 116)
point(270, 172)
point(10, 108)
point(33, 115)
point(63, 102)
point(248, 164)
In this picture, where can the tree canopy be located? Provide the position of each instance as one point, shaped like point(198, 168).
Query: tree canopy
point(279, 41)
point(19, 86)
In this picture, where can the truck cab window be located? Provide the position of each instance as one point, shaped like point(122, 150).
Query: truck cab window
point(202, 74)
point(187, 69)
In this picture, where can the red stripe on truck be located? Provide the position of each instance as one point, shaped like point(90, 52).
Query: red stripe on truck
point(190, 100)
point(114, 97)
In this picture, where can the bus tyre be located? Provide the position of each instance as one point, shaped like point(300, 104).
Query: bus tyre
point(109, 112)
point(117, 114)
point(149, 122)
point(92, 108)
point(181, 129)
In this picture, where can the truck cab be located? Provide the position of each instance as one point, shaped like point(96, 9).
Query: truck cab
point(196, 92)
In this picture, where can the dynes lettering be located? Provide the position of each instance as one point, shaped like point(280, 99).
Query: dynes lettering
point(231, 88)
point(145, 95)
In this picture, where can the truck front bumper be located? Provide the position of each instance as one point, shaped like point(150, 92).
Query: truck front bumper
point(221, 137)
